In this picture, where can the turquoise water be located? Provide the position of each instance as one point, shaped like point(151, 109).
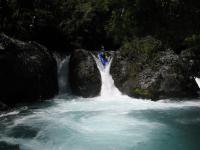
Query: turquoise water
point(118, 123)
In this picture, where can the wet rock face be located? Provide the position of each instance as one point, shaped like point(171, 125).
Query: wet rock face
point(165, 75)
point(28, 71)
point(85, 78)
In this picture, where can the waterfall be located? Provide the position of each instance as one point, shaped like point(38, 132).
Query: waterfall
point(197, 81)
point(63, 71)
point(108, 88)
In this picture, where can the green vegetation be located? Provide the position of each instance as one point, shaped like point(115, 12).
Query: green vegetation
point(68, 24)
point(138, 92)
point(146, 46)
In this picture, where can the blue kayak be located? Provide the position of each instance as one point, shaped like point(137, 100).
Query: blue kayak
point(102, 59)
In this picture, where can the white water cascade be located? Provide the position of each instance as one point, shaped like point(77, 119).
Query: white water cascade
point(197, 81)
point(108, 88)
point(63, 71)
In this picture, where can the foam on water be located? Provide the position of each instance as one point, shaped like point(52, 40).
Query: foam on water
point(88, 124)
point(9, 114)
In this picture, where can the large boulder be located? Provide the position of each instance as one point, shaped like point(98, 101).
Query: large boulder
point(153, 74)
point(84, 76)
point(3, 106)
point(28, 71)
point(191, 59)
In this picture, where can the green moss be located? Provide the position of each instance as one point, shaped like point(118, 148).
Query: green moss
point(192, 40)
point(138, 92)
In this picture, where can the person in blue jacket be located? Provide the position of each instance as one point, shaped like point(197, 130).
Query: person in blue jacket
point(102, 56)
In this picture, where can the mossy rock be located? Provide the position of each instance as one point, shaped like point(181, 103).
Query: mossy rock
point(162, 74)
point(143, 93)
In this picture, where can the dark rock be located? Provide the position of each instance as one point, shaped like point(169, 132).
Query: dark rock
point(28, 71)
point(8, 146)
point(161, 74)
point(84, 75)
point(3, 106)
point(191, 58)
